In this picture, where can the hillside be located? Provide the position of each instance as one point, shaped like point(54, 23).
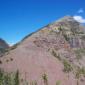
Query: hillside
point(54, 55)
point(3, 47)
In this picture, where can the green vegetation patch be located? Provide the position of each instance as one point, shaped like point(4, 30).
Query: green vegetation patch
point(67, 66)
point(55, 54)
point(58, 82)
point(45, 79)
point(79, 52)
point(80, 72)
point(9, 78)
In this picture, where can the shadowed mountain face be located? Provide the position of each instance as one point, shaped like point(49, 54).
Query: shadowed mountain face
point(54, 55)
point(3, 44)
point(3, 47)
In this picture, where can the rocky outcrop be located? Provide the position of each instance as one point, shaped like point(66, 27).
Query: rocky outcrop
point(72, 31)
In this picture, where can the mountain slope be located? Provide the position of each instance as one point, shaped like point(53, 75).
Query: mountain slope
point(3, 47)
point(50, 55)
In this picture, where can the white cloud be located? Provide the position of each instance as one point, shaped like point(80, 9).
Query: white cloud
point(81, 10)
point(79, 19)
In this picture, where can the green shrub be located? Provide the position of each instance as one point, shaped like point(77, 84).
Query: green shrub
point(58, 83)
point(66, 37)
point(55, 55)
point(45, 78)
point(79, 52)
point(16, 79)
point(80, 71)
point(1, 77)
point(33, 83)
point(60, 28)
point(9, 78)
point(67, 66)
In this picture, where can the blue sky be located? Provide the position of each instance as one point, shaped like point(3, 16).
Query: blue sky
point(18, 18)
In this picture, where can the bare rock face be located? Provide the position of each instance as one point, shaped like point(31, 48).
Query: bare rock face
point(69, 23)
point(72, 31)
point(54, 55)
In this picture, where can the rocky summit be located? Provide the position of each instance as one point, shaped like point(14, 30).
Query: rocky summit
point(53, 55)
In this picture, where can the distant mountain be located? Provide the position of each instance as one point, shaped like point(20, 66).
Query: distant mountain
point(53, 55)
point(3, 47)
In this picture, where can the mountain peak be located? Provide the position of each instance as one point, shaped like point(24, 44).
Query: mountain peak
point(68, 18)
point(68, 22)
